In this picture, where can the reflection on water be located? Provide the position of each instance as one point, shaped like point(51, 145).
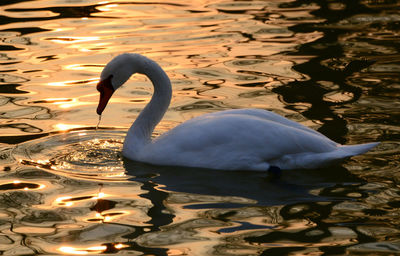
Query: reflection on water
point(65, 189)
point(80, 153)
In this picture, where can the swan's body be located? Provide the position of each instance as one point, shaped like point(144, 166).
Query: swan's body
point(244, 139)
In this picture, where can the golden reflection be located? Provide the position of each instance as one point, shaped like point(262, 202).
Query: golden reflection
point(69, 200)
point(66, 127)
point(82, 251)
point(56, 100)
point(43, 162)
point(55, 27)
point(175, 252)
point(100, 195)
point(92, 249)
point(84, 49)
point(212, 51)
point(30, 230)
point(108, 216)
point(120, 246)
point(107, 7)
point(61, 201)
point(17, 185)
point(73, 39)
point(76, 82)
point(88, 67)
point(75, 103)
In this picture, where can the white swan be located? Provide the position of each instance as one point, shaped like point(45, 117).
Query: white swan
point(243, 139)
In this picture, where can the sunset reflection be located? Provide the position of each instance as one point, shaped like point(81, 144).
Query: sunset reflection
point(67, 189)
point(76, 82)
point(75, 103)
point(93, 68)
point(106, 8)
point(83, 251)
point(66, 127)
point(70, 200)
point(92, 249)
point(73, 40)
point(21, 185)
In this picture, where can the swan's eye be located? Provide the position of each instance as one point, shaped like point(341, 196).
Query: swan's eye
point(100, 88)
point(106, 83)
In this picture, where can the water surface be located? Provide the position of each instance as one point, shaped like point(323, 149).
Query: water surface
point(66, 189)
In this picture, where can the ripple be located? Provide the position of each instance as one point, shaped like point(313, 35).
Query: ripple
point(16, 185)
point(68, 192)
point(387, 248)
point(85, 154)
point(5, 78)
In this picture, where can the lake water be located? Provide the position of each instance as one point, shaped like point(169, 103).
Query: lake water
point(65, 189)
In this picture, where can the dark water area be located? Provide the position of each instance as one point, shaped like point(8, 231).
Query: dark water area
point(65, 188)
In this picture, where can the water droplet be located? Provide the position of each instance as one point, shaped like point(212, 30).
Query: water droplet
point(98, 123)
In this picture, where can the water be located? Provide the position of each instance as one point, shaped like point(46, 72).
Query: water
point(98, 123)
point(66, 189)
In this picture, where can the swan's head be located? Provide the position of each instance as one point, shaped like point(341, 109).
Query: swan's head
point(115, 74)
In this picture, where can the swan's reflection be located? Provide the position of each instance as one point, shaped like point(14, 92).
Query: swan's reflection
point(293, 186)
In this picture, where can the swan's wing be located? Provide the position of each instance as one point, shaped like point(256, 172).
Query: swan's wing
point(225, 141)
point(263, 114)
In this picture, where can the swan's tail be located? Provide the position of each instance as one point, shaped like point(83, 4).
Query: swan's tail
point(352, 150)
point(310, 161)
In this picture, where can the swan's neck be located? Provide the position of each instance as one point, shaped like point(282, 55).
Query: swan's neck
point(140, 132)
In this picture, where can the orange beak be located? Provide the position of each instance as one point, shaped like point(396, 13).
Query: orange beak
point(106, 91)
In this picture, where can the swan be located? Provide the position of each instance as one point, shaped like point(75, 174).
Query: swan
point(239, 139)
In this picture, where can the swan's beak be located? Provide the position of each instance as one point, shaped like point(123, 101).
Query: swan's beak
point(106, 91)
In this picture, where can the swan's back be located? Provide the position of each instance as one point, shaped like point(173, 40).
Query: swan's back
point(263, 114)
point(248, 139)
